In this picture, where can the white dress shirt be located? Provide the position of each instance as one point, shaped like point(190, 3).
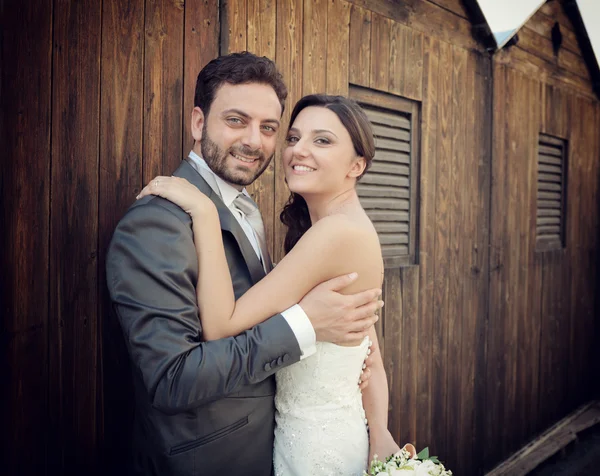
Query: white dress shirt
point(295, 315)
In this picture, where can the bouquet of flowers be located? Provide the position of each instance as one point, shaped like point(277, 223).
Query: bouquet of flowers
point(407, 462)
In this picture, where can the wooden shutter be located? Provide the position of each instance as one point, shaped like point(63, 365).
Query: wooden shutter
point(551, 188)
point(388, 191)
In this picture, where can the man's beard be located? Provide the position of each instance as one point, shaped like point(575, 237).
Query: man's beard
point(216, 158)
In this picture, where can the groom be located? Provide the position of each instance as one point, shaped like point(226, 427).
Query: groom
point(206, 408)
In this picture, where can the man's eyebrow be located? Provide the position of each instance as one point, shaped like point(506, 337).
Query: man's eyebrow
point(245, 115)
point(236, 111)
point(272, 121)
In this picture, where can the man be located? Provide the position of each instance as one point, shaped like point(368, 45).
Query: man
point(204, 408)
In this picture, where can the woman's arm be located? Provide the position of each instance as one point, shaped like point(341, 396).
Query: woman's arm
point(332, 247)
point(375, 402)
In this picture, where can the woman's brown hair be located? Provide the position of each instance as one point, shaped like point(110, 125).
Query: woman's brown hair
point(295, 213)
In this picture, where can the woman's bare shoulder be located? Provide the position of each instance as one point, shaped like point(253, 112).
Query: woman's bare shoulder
point(345, 234)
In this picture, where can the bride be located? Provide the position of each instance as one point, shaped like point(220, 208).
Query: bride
point(324, 424)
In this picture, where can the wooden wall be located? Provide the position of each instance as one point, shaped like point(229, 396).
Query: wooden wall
point(486, 342)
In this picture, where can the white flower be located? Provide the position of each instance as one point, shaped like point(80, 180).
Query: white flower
point(428, 468)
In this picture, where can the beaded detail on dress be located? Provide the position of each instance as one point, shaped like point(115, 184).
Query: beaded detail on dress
point(321, 427)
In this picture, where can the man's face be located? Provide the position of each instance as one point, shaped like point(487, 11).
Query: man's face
point(239, 135)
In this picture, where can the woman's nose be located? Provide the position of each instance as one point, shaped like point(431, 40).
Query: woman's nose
point(300, 149)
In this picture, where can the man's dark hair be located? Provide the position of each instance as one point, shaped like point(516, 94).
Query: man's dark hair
point(237, 68)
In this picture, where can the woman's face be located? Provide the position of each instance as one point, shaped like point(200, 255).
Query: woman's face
point(319, 157)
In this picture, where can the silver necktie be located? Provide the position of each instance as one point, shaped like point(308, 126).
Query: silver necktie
point(250, 210)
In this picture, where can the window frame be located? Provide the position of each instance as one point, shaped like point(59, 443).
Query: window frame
point(551, 244)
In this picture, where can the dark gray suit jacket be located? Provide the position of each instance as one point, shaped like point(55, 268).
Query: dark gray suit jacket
point(201, 408)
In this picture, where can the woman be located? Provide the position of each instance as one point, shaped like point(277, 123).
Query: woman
point(321, 425)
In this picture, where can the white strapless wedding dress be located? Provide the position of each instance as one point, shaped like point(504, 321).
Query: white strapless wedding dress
point(320, 421)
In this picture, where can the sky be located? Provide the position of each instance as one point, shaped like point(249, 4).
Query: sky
point(590, 12)
point(506, 16)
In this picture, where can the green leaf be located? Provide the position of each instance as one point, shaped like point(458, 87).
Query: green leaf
point(423, 454)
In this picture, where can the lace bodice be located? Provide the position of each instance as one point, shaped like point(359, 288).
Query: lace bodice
point(321, 425)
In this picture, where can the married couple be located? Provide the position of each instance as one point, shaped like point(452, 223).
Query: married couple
point(239, 367)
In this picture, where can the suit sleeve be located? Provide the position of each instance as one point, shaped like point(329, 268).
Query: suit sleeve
point(152, 269)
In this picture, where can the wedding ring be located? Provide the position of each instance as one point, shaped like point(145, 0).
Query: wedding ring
point(156, 183)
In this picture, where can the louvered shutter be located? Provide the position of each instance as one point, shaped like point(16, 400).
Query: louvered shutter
point(551, 183)
point(388, 190)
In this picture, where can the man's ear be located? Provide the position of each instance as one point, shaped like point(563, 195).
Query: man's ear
point(197, 123)
point(358, 167)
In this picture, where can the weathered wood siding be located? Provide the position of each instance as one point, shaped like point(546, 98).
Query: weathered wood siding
point(486, 341)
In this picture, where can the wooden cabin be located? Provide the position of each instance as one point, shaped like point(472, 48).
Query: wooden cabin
point(484, 190)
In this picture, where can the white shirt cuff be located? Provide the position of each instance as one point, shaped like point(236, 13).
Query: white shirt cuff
point(302, 329)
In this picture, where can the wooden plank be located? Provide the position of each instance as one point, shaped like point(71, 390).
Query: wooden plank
point(289, 61)
point(399, 34)
point(581, 181)
point(550, 442)
point(528, 330)
point(455, 6)
point(393, 357)
point(426, 17)
point(541, 46)
point(522, 146)
point(380, 52)
point(163, 88)
point(74, 270)
point(414, 66)
point(406, 62)
point(534, 66)
point(554, 10)
point(25, 209)
point(518, 182)
point(234, 22)
point(554, 344)
point(427, 216)
point(338, 35)
point(469, 198)
point(25, 129)
point(458, 243)
point(441, 256)
point(409, 276)
point(262, 18)
point(542, 24)
point(495, 336)
point(557, 103)
point(120, 169)
point(359, 66)
point(24, 402)
point(484, 113)
point(315, 46)
point(201, 44)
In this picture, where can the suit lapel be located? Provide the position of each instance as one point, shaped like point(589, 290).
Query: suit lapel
point(228, 221)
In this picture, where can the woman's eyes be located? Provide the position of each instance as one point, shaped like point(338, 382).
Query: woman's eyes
point(318, 140)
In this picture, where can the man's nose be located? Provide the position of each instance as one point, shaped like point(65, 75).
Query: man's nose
point(253, 139)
